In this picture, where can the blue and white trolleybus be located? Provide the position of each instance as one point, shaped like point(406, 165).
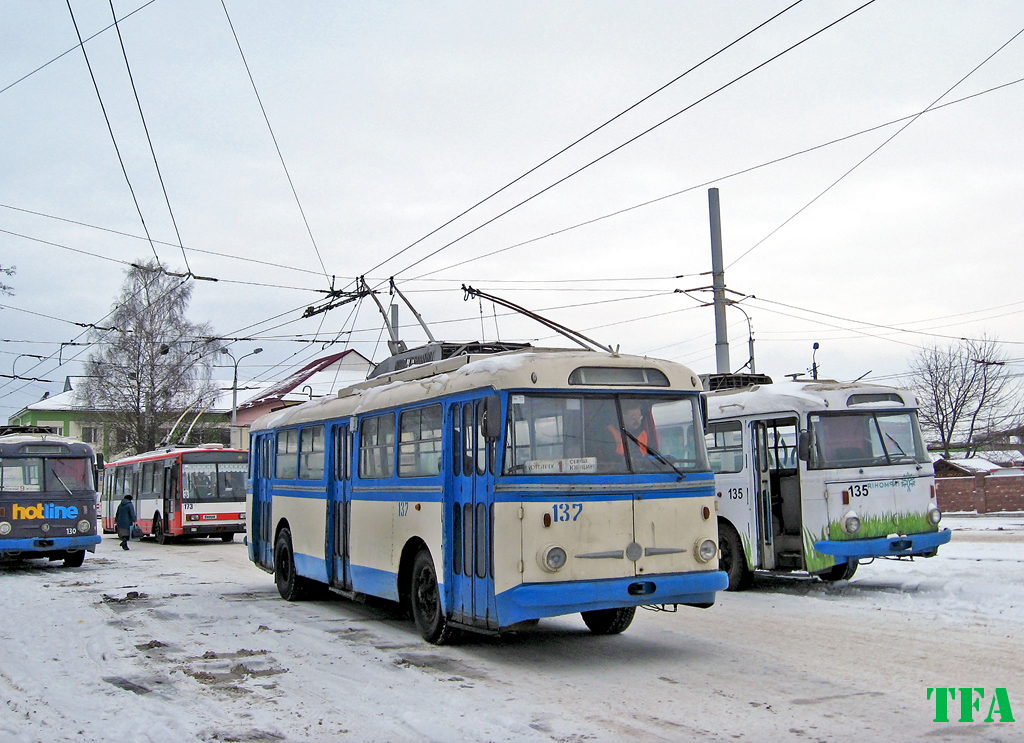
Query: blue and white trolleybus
point(487, 491)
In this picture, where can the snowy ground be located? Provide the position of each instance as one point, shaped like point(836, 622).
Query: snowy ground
point(191, 643)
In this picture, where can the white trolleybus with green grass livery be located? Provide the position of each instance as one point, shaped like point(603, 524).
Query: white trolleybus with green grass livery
point(487, 491)
point(817, 476)
point(49, 508)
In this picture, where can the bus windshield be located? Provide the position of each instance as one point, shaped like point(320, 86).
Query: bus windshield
point(223, 481)
point(865, 439)
point(36, 474)
point(603, 434)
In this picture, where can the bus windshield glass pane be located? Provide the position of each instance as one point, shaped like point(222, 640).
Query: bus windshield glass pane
point(603, 434)
point(865, 440)
point(209, 482)
point(21, 474)
point(73, 474)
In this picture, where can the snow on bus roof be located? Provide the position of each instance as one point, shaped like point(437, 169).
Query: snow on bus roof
point(803, 395)
point(514, 369)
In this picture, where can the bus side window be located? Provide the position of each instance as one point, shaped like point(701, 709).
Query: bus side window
point(287, 455)
point(311, 453)
point(377, 447)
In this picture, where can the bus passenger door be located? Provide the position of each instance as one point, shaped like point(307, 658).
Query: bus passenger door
point(472, 516)
point(169, 502)
point(763, 494)
point(338, 508)
point(262, 549)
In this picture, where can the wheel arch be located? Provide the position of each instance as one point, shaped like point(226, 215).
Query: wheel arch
point(405, 562)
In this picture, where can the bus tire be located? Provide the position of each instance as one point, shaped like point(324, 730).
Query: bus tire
point(840, 571)
point(290, 584)
point(158, 529)
point(733, 560)
point(425, 599)
point(609, 621)
point(227, 537)
point(74, 559)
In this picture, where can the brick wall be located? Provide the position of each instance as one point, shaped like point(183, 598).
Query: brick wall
point(980, 493)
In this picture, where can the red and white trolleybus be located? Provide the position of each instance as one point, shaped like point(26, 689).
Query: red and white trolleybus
point(181, 492)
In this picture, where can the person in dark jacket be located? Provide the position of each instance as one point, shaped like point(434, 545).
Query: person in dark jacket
point(124, 520)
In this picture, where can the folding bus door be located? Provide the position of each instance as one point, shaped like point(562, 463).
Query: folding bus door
point(472, 516)
point(763, 486)
point(261, 525)
point(339, 507)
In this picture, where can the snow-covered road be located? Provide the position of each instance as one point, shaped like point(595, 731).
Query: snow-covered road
point(190, 642)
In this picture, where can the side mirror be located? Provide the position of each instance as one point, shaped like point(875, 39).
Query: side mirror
point(100, 464)
point(493, 420)
point(703, 411)
point(804, 446)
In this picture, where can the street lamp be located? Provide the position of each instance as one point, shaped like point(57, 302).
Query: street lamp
point(234, 385)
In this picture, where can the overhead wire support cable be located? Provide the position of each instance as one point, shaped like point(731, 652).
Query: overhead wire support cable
point(277, 147)
point(712, 181)
point(638, 136)
point(65, 53)
point(593, 131)
point(149, 139)
point(876, 149)
point(110, 129)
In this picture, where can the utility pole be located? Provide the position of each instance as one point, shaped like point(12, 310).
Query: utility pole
point(718, 285)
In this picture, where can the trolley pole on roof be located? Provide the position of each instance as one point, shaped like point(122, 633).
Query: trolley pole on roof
point(718, 285)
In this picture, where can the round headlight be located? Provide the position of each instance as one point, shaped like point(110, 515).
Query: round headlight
point(5, 528)
point(851, 523)
point(552, 558)
point(934, 516)
point(84, 526)
point(706, 550)
point(45, 528)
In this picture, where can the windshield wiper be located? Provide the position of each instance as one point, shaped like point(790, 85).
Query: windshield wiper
point(53, 471)
point(655, 453)
point(903, 454)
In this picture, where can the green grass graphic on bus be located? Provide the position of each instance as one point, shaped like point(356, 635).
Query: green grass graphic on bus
point(815, 561)
point(884, 525)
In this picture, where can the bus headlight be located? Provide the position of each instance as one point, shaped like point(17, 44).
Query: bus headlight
point(552, 558)
point(705, 550)
point(45, 528)
point(84, 526)
point(851, 523)
point(5, 528)
point(934, 516)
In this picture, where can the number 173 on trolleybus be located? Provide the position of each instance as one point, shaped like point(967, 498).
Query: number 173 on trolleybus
point(181, 492)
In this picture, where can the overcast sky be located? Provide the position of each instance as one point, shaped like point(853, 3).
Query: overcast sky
point(392, 118)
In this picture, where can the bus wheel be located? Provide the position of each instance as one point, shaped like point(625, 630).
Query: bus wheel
point(74, 559)
point(426, 601)
point(290, 584)
point(158, 529)
point(842, 571)
point(734, 561)
point(227, 537)
point(609, 621)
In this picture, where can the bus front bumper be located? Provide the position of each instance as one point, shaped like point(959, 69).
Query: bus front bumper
point(537, 600)
point(40, 547)
point(912, 544)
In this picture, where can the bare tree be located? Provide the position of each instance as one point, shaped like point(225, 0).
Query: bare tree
point(964, 390)
point(155, 365)
point(4, 289)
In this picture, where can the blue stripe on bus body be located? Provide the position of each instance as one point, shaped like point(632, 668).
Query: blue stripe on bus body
point(555, 495)
point(375, 582)
point(59, 543)
point(311, 567)
point(911, 544)
point(537, 600)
